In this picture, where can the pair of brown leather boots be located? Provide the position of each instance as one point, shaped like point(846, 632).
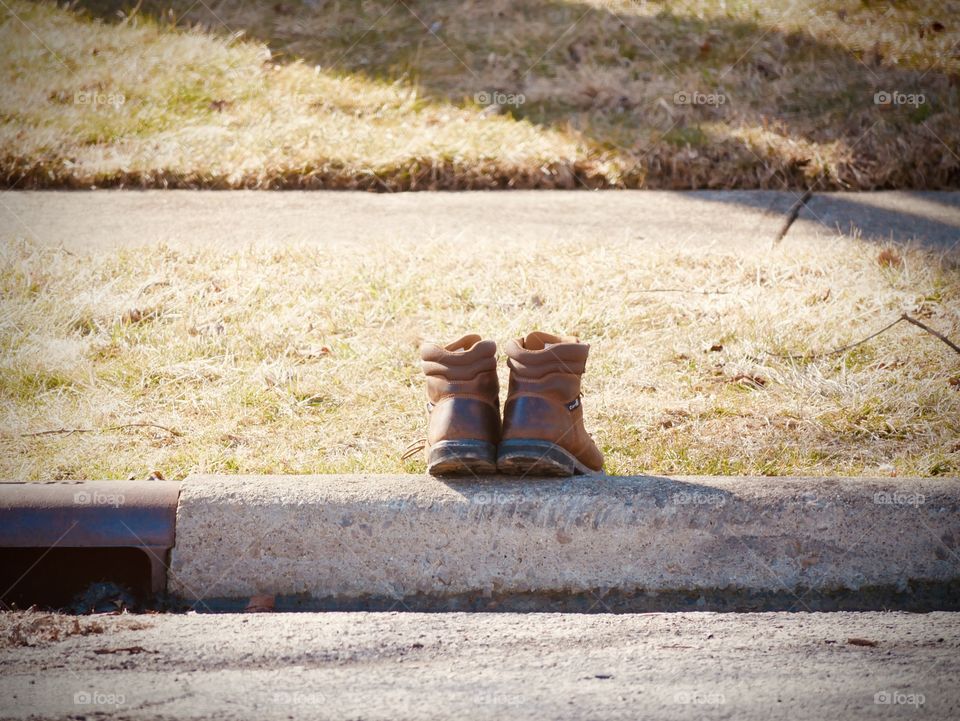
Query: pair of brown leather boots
point(542, 431)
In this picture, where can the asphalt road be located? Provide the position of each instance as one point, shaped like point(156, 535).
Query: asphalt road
point(481, 666)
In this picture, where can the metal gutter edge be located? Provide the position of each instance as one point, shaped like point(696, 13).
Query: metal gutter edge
point(93, 514)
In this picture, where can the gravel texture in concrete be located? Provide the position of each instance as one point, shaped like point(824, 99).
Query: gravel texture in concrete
point(482, 666)
point(403, 536)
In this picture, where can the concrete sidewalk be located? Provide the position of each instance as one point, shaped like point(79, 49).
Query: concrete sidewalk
point(754, 219)
point(502, 543)
point(755, 667)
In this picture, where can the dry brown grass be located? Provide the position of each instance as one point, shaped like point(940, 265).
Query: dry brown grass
point(277, 360)
point(364, 95)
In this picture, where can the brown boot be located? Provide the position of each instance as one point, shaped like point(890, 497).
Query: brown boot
point(464, 406)
point(543, 431)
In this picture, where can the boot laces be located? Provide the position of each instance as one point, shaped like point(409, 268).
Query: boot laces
point(414, 448)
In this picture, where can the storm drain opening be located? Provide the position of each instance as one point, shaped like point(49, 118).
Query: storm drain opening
point(76, 580)
point(85, 546)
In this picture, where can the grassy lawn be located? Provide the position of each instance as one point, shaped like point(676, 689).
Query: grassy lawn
point(269, 359)
point(418, 94)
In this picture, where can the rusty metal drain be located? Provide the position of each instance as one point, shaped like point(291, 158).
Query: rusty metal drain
point(103, 515)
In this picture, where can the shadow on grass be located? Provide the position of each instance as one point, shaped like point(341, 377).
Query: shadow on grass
point(680, 101)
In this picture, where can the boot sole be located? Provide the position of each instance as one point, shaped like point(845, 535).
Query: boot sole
point(462, 458)
point(538, 458)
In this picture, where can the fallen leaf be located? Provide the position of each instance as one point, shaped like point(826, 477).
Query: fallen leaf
point(311, 352)
point(134, 315)
point(152, 476)
point(889, 258)
point(768, 68)
point(261, 604)
point(748, 380)
point(861, 642)
point(671, 418)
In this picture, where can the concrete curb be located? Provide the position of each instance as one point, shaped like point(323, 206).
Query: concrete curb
point(363, 536)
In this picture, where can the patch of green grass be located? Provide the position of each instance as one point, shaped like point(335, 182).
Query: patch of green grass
point(22, 386)
point(692, 136)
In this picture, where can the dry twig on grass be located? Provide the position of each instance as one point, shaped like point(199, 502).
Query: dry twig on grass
point(70, 431)
point(931, 331)
point(792, 215)
point(681, 290)
point(843, 349)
